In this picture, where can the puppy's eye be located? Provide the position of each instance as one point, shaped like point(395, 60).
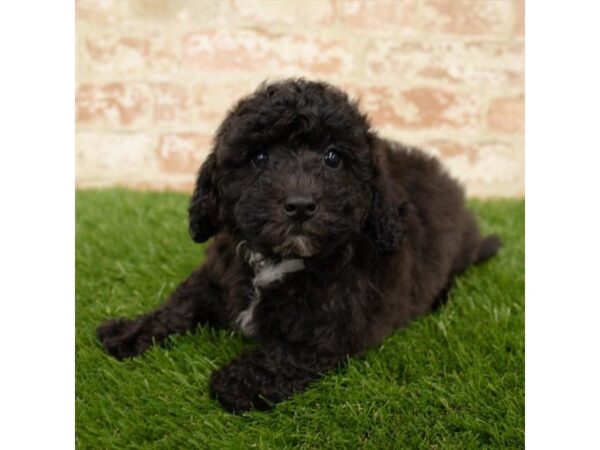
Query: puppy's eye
point(260, 158)
point(332, 158)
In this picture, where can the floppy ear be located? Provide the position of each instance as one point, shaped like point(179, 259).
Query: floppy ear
point(204, 205)
point(385, 222)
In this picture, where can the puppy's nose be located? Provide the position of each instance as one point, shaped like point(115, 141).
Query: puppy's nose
point(300, 206)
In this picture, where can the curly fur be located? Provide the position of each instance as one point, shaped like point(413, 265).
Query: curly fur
point(390, 234)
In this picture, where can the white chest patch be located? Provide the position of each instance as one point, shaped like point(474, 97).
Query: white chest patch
point(266, 271)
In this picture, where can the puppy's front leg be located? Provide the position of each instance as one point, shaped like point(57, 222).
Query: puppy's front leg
point(262, 377)
point(195, 301)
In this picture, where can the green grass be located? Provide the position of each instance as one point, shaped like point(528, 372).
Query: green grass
point(454, 379)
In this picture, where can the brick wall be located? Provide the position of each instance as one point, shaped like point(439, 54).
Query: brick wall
point(155, 78)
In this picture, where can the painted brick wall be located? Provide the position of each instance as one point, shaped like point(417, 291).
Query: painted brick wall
point(155, 77)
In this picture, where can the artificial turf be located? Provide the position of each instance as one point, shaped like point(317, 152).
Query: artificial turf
point(453, 379)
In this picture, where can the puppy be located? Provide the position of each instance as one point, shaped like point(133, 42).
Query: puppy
point(327, 238)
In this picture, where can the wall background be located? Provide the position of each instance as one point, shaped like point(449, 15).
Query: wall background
point(154, 78)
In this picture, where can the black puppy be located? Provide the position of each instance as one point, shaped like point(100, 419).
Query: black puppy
point(326, 239)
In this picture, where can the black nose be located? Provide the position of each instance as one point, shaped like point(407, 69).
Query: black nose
point(300, 206)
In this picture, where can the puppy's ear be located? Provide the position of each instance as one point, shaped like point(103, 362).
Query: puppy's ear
point(385, 222)
point(204, 205)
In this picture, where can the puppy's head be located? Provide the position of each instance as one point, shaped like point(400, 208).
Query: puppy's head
point(294, 171)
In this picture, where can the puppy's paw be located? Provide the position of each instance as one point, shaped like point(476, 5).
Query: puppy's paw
point(123, 338)
point(236, 391)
